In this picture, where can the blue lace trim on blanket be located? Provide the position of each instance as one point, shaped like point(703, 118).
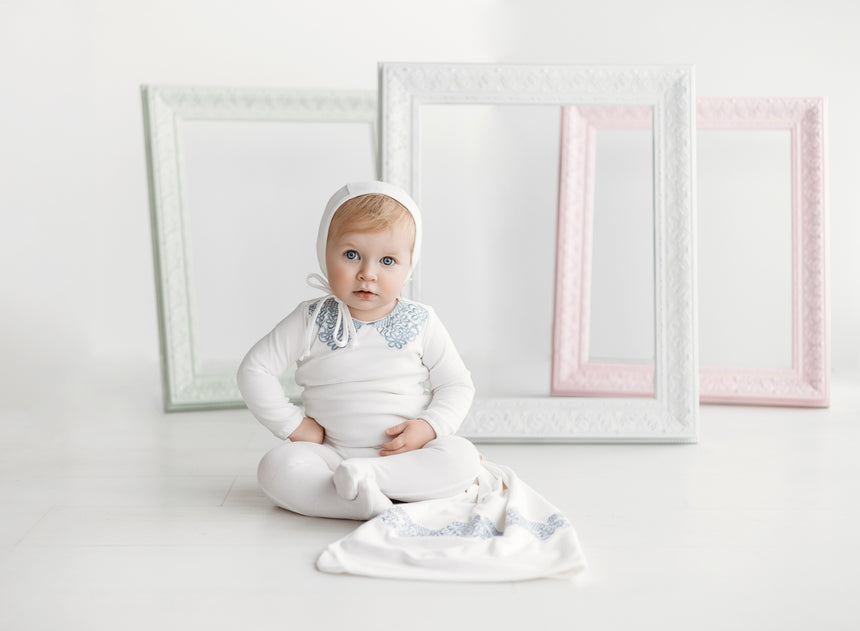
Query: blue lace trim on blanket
point(398, 328)
point(479, 527)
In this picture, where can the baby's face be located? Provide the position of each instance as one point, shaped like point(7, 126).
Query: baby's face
point(367, 270)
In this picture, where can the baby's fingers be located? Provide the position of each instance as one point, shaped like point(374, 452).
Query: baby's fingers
point(396, 446)
point(397, 429)
point(394, 443)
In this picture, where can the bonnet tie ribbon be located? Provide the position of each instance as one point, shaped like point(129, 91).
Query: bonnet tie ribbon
point(344, 332)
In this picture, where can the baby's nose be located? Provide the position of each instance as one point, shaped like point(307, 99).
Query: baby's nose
point(367, 272)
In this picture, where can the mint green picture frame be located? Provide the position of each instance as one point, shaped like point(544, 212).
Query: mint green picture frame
point(187, 383)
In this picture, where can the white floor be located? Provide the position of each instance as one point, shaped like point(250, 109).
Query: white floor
point(117, 516)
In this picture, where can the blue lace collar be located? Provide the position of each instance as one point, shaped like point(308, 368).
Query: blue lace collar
point(398, 328)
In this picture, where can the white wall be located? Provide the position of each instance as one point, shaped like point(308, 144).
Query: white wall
point(77, 279)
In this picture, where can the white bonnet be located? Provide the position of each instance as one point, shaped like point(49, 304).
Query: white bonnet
point(356, 189)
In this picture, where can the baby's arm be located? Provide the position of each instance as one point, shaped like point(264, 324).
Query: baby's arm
point(450, 381)
point(259, 374)
point(452, 389)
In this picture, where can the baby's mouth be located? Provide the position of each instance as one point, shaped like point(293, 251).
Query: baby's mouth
point(363, 293)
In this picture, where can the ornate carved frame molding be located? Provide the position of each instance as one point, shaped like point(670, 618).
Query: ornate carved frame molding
point(671, 415)
point(185, 385)
point(806, 383)
point(573, 374)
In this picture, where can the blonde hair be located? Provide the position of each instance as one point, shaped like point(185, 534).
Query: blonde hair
point(369, 213)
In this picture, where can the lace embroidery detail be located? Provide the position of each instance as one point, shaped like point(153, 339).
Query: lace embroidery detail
point(398, 328)
point(326, 320)
point(542, 531)
point(402, 325)
point(479, 527)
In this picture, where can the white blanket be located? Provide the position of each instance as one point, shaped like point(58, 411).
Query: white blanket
point(500, 529)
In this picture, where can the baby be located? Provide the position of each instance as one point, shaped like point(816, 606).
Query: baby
point(384, 389)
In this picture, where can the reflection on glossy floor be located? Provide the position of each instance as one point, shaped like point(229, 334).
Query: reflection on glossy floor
point(117, 516)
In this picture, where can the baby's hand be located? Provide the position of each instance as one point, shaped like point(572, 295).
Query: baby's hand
point(308, 431)
point(409, 435)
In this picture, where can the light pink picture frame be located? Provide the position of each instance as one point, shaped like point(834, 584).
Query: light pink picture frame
point(807, 381)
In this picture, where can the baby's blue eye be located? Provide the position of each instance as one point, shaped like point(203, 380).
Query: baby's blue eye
point(352, 255)
point(387, 260)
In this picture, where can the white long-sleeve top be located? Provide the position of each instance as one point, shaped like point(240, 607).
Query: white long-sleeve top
point(357, 392)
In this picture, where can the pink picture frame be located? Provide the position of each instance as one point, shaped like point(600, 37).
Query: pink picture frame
point(807, 382)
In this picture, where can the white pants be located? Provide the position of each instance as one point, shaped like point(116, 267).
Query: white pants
point(317, 480)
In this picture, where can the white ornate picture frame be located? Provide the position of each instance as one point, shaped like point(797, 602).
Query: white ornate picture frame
point(671, 415)
point(806, 382)
point(187, 384)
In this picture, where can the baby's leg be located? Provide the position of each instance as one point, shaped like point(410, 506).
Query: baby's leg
point(442, 468)
point(298, 476)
